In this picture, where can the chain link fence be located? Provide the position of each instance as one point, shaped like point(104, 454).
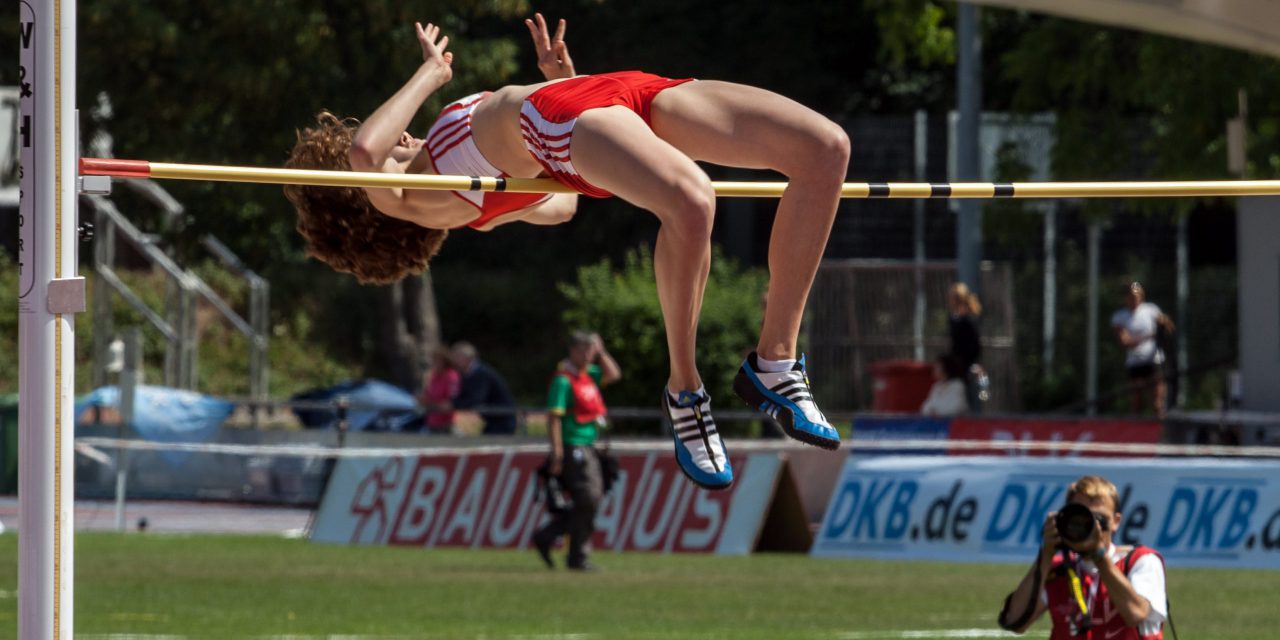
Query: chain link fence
point(865, 311)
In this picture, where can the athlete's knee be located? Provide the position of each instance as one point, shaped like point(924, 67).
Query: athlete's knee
point(822, 152)
point(830, 147)
point(838, 145)
point(691, 206)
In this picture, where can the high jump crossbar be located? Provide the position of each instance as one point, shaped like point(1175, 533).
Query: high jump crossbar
point(897, 190)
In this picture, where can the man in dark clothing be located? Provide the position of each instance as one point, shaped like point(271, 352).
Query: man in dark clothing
point(482, 386)
point(575, 412)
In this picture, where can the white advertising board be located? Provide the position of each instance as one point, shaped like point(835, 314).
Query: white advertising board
point(1196, 512)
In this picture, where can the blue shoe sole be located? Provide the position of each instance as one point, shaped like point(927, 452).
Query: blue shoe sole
point(748, 389)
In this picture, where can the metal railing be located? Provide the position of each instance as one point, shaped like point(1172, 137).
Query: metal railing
point(178, 321)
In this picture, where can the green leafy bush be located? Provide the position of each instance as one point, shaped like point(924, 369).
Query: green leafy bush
point(622, 305)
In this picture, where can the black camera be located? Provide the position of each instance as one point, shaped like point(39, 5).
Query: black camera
point(552, 489)
point(1075, 523)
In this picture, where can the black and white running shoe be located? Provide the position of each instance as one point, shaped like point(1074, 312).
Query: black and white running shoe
point(787, 398)
point(700, 452)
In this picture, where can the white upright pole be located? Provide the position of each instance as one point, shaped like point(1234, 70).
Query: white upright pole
point(47, 300)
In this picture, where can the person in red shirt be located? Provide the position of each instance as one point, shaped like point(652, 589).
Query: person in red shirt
point(439, 387)
point(1091, 589)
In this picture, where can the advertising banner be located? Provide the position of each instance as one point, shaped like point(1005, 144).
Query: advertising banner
point(1078, 431)
point(867, 428)
point(1197, 512)
point(493, 500)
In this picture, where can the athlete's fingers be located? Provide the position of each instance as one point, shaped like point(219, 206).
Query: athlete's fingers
point(543, 31)
point(533, 32)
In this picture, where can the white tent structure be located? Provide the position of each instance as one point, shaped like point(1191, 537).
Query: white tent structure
point(1249, 25)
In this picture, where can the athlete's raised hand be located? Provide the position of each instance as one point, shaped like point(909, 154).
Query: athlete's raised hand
point(433, 49)
point(553, 54)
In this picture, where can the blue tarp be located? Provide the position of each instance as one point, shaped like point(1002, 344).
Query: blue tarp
point(162, 414)
point(374, 405)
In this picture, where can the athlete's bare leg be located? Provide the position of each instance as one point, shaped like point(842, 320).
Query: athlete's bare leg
point(615, 150)
point(740, 126)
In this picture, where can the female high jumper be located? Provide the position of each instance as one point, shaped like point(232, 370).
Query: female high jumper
point(629, 134)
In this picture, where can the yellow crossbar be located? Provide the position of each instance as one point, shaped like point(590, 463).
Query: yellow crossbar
point(896, 190)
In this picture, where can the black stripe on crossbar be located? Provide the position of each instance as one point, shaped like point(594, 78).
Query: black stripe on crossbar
point(1003, 190)
point(878, 190)
point(475, 183)
point(502, 184)
point(941, 190)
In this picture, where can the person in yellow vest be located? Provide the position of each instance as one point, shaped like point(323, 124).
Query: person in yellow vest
point(575, 414)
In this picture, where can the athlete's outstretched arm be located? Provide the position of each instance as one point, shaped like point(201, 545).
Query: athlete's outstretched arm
point(553, 53)
point(371, 148)
point(375, 143)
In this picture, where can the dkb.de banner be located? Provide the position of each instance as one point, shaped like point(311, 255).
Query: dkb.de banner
point(492, 500)
point(1197, 512)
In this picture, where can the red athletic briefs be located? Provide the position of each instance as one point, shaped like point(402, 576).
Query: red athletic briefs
point(549, 114)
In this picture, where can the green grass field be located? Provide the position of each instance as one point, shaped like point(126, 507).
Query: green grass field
point(233, 586)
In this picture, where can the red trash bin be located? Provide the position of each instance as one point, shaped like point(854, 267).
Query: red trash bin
point(900, 386)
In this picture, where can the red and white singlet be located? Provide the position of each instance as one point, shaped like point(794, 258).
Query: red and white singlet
point(453, 152)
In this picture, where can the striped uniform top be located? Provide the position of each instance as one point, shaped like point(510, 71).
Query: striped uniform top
point(453, 152)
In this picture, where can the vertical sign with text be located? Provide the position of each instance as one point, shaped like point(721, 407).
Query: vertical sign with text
point(27, 191)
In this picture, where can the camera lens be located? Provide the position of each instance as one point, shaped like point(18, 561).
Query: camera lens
point(1075, 523)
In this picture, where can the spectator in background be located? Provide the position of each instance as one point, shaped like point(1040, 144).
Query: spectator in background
point(947, 396)
point(1138, 326)
point(440, 385)
point(965, 310)
point(483, 388)
point(575, 413)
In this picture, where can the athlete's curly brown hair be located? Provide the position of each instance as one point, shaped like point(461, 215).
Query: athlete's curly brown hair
point(341, 226)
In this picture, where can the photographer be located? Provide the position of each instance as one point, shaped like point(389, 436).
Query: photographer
point(576, 411)
point(1090, 587)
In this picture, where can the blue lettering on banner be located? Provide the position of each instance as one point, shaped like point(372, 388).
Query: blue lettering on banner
point(870, 505)
point(871, 508)
point(1238, 520)
point(1208, 516)
point(1018, 517)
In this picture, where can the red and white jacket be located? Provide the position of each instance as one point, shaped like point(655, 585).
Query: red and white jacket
point(1145, 569)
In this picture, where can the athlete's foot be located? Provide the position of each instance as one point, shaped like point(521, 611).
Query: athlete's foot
point(700, 452)
point(787, 398)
